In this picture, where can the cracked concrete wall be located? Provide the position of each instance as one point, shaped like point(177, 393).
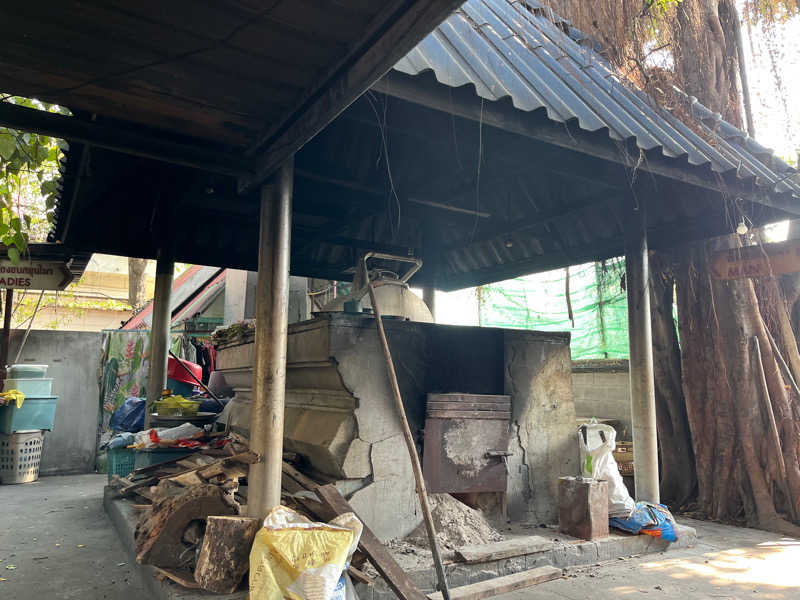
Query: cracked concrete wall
point(543, 443)
point(388, 502)
point(341, 413)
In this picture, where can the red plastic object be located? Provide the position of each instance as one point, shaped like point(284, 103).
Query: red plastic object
point(178, 373)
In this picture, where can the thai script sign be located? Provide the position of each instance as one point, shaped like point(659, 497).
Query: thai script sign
point(757, 261)
point(34, 275)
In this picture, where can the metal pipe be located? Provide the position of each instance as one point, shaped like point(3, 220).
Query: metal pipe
point(6, 336)
point(159, 334)
point(643, 396)
point(422, 492)
point(269, 361)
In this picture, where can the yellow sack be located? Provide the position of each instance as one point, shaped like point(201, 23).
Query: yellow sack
point(295, 558)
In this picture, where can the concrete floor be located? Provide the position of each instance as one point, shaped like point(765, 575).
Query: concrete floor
point(56, 535)
point(728, 563)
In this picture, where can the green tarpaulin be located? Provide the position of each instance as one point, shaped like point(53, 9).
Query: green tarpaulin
point(599, 307)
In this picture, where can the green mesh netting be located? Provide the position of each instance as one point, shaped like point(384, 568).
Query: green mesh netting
point(599, 307)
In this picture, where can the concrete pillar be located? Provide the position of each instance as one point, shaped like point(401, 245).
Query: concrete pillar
point(269, 361)
point(429, 297)
point(159, 333)
point(6, 341)
point(643, 397)
point(299, 302)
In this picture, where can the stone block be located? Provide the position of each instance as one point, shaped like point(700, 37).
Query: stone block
point(539, 559)
point(583, 508)
point(510, 566)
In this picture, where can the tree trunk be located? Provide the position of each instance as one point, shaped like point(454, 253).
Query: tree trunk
point(705, 55)
point(738, 475)
point(678, 478)
point(136, 282)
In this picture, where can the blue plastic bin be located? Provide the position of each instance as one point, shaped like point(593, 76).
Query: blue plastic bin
point(36, 413)
point(180, 388)
point(31, 387)
point(121, 461)
point(25, 371)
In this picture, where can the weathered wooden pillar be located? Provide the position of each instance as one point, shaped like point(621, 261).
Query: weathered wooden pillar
point(643, 397)
point(429, 297)
point(159, 332)
point(269, 361)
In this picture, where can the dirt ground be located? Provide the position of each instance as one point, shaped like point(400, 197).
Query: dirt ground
point(56, 542)
point(61, 545)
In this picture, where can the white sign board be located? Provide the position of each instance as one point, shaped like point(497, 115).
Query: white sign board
point(34, 275)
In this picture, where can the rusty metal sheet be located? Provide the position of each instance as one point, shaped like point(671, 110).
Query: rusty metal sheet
point(455, 455)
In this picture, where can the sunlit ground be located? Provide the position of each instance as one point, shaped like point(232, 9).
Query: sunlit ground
point(729, 563)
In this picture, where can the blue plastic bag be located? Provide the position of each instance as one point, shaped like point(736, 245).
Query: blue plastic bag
point(129, 416)
point(649, 519)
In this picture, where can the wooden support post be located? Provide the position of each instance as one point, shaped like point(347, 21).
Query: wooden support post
point(159, 333)
point(6, 342)
point(416, 468)
point(269, 361)
point(643, 395)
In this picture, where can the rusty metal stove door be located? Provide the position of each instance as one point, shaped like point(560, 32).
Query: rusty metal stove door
point(466, 442)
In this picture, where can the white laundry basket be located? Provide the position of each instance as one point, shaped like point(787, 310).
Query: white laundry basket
point(20, 454)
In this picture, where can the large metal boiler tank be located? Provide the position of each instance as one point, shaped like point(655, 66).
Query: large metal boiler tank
point(392, 292)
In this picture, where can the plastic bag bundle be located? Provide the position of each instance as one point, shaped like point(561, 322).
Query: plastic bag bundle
point(293, 557)
point(597, 442)
point(650, 519)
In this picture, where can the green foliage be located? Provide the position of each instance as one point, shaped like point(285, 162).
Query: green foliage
point(662, 5)
point(28, 181)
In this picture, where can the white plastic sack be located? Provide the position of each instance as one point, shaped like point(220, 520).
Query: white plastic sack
point(597, 442)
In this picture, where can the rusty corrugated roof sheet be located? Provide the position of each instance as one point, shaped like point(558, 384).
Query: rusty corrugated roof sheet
point(506, 48)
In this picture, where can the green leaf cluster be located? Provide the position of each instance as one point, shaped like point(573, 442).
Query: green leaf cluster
point(28, 174)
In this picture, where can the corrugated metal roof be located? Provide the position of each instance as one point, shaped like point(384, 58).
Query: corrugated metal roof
point(506, 48)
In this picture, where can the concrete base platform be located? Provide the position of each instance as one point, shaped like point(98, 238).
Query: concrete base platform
point(564, 553)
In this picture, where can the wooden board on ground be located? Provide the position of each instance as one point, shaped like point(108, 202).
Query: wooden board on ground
point(505, 549)
point(225, 552)
point(501, 585)
point(397, 579)
point(180, 576)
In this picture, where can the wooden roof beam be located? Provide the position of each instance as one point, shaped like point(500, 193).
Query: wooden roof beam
point(74, 129)
point(387, 39)
point(463, 102)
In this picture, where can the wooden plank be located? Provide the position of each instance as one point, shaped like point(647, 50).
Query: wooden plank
point(397, 579)
point(180, 577)
point(359, 576)
point(501, 585)
point(505, 549)
point(466, 414)
point(762, 260)
point(469, 406)
point(305, 481)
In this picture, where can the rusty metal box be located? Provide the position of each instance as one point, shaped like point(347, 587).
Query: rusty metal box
point(466, 442)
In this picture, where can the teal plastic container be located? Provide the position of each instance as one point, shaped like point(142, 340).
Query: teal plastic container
point(31, 387)
point(153, 456)
point(23, 371)
point(36, 413)
point(121, 461)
